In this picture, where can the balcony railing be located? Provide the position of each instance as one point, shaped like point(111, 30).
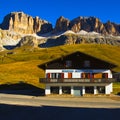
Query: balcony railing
point(76, 80)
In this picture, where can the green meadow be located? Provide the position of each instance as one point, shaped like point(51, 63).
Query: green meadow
point(21, 64)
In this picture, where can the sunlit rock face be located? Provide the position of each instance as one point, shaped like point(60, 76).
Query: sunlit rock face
point(25, 24)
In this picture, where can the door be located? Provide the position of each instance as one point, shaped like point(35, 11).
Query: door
point(77, 91)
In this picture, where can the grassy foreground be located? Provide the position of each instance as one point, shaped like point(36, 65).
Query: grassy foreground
point(21, 64)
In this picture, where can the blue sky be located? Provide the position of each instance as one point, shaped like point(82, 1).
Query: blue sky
point(51, 10)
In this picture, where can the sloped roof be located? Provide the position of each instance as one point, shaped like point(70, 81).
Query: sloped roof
point(77, 58)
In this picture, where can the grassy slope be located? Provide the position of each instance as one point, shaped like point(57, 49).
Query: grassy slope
point(23, 64)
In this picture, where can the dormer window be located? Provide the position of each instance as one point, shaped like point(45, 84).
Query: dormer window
point(86, 63)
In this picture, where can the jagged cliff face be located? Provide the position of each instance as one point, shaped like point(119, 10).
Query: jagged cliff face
point(112, 28)
point(62, 24)
point(88, 24)
point(25, 24)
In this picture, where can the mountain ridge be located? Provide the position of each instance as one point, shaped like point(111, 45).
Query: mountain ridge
point(18, 19)
point(17, 25)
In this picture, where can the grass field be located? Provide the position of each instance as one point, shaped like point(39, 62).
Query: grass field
point(21, 64)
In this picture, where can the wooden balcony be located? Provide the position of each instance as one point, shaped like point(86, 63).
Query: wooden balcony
point(76, 80)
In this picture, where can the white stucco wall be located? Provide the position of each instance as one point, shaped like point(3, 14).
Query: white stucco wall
point(95, 90)
point(76, 73)
point(65, 75)
point(108, 89)
point(47, 90)
point(83, 90)
point(72, 90)
point(111, 87)
point(60, 90)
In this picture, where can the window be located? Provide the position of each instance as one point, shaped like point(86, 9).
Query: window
point(105, 75)
point(68, 63)
point(89, 89)
point(97, 75)
point(66, 90)
point(101, 89)
point(86, 63)
point(85, 75)
point(54, 90)
point(60, 75)
point(53, 75)
point(57, 75)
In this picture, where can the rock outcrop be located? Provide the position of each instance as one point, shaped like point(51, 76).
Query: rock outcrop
point(25, 24)
point(28, 41)
point(69, 39)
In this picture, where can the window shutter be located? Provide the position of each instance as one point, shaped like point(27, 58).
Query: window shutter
point(48, 75)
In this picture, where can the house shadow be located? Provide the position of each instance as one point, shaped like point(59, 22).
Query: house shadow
point(21, 89)
point(10, 47)
point(12, 112)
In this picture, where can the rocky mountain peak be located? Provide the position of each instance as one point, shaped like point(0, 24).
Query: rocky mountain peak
point(62, 24)
point(25, 24)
